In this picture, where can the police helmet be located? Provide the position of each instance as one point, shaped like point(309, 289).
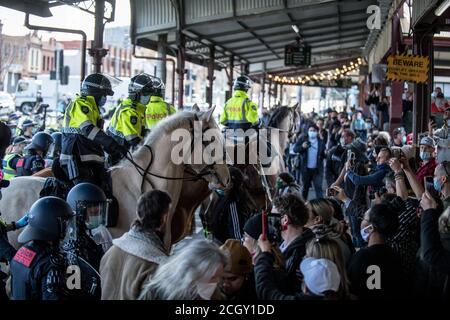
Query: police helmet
point(159, 89)
point(55, 147)
point(96, 85)
point(47, 220)
point(41, 141)
point(140, 85)
point(27, 123)
point(89, 203)
point(242, 83)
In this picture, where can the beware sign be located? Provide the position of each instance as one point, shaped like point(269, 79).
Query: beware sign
point(407, 67)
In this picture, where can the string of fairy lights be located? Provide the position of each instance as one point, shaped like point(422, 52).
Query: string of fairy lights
point(338, 73)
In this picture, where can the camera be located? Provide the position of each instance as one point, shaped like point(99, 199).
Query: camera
point(273, 227)
point(380, 192)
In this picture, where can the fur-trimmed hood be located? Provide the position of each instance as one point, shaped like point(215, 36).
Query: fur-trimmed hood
point(147, 246)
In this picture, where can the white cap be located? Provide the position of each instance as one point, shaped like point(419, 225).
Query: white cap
point(320, 275)
point(427, 141)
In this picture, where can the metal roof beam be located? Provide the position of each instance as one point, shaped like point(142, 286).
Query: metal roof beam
point(288, 23)
point(309, 31)
point(322, 44)
point(243, 25)
point(358, 33)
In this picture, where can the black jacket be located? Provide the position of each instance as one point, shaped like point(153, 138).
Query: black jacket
point(294, 254)
point(298, 148)
point(267, 285)
point(434, 263)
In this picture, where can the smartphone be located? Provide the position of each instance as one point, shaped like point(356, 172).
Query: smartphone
point(264, 225)
point(331, 192)
point(428, 183)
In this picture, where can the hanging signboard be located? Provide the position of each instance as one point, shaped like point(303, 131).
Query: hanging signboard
point(407, 67)
point(297, 55)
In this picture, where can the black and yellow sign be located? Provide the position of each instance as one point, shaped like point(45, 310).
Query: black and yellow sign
point(407, 67)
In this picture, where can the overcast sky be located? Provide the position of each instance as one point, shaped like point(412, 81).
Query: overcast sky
point(63, 17)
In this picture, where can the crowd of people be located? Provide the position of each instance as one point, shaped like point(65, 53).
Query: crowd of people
point(380, 229)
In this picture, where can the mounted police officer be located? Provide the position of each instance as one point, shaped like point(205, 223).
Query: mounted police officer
point(34, 161)
point(127, 122)
point(83, 141)
point(90, 205)
point(157, 109)
point(38, 269)
point(10, 160)
point(239, 111)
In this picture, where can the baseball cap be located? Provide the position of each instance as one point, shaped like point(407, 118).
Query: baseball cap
point(320, 275)
point(240, 262)
point(427, 141)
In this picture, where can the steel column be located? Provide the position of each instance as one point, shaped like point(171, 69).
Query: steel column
point(209, 96)
point(162, 68)
point(423, 45)
point(97, 51)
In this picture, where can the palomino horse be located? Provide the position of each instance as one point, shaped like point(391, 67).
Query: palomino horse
point(128, 183)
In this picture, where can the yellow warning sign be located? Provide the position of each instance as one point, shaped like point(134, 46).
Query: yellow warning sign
point(408, 67)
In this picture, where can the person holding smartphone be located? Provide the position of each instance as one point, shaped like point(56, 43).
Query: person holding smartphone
point(427, 157)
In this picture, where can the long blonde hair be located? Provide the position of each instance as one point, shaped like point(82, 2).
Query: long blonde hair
point(177, 278)
point(327, 248)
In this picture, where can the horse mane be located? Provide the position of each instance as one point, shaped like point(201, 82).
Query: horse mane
point(169, 124)
point(278, 116)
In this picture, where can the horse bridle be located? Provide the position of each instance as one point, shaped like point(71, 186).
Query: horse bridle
point(195, 176)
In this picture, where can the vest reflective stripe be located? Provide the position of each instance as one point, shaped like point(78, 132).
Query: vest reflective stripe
point(8, 171)
point(71, 130)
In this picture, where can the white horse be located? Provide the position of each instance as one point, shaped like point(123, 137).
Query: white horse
point(128, 183)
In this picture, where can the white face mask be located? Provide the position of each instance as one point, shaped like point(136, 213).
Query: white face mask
point(365, 233)
point(342, 142)
point(206, 290)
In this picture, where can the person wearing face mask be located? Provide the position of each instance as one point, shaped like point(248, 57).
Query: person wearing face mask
point(428, 161)
point(312, 153)
point(191, 274)
point(157, 109)
point(127, 122)
point(84, 141)
point(398, 138)
point(359, 126)
point(9, 163)
point(137, 254)
point(442, 182)
point(379, 224)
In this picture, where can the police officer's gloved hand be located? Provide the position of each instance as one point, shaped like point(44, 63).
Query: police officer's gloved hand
point(117, 150)
point(22, 222)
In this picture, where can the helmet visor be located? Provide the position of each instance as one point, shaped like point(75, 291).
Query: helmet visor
point(94, 213)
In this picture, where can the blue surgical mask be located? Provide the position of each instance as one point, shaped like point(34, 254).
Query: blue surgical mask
point(448, 122)
point(437, 185)
point(312, 134)
point(102, 101)
point(94, 222)
point(424, 155)
point(365, 233)
point(404, 139)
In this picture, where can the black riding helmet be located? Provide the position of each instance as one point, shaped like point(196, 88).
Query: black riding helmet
point(47, 220)
point(89, 203)
point(159, 89)
point(140, 86)
point(96, 85)
point(41, 141)
point(242, 83)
